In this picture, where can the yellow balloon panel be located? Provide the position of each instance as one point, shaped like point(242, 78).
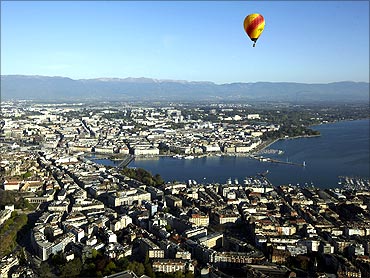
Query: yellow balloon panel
point(254, 25)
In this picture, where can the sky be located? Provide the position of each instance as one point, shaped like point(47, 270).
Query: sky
point(303, 41)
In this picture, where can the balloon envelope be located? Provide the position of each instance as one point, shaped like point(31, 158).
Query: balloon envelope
point(254, 25)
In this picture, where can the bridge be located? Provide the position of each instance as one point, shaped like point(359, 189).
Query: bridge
point(126, 160)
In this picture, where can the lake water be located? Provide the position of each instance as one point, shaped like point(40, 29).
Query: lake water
point(341, 150)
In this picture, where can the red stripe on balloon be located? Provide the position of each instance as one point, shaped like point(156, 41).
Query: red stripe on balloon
point(254, 24)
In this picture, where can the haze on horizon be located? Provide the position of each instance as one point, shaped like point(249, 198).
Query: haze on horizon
point(307, 42)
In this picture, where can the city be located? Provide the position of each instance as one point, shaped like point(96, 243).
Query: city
point(65, 215)
point(184, 139)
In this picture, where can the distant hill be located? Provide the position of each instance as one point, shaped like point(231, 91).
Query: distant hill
point(66, 89)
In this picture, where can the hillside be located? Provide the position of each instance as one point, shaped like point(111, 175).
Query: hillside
point(62, 88)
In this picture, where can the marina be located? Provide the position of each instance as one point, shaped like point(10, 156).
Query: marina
point(354, 183)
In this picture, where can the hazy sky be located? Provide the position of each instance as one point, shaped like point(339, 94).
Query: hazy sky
point(303, 41)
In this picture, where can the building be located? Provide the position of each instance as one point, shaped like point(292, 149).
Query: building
point(199, 219)
point(5, 215)
point(225, 217)
point(11, 185)
point(212, 240)
point(173, 201)
point(109, 236)
point(6, 264)
point(120, 223)
point(128, 197)
point(148, 247)
point(172, 265)
point(195, 232)
point(44, 248)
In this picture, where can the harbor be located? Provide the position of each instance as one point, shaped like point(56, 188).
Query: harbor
point(354, 183)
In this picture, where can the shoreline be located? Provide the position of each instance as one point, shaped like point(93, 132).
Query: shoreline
point(255, 151)
point(326, 182)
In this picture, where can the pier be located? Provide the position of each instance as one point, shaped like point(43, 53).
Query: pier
point(286, 162)
point(266, 159)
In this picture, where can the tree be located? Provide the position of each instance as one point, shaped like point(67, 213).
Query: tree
point(179, 274)
point(158, 179)
point(168, 228)
point(143, 176)
point(189, 274)
point(45, 270)
point(26, 175)
point(140, 269)
point(148, 267)
point(72, 268)
point(149, 270)
point(137, 267)
point(94, 253)
point(7, 197)
point(58, 259)
point(109, 268)
point(122, 264)
point(88, 270)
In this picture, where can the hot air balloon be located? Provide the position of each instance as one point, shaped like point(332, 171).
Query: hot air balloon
point(253, 26)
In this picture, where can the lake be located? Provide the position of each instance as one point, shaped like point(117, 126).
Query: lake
point(341, 150)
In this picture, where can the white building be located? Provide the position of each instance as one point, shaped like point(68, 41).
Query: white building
point(172, 265)
point(120, 223)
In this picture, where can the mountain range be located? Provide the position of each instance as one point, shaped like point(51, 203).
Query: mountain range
point(31, 87)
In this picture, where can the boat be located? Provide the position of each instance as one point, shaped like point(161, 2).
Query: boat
point(263, 174)
point(189, 157)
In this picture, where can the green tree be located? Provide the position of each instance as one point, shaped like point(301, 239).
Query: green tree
point(158, 179)
point(45, 270)
point(168, 228)
point(122, 264)
point(189, 274)
point(136, 267)
point(26, 175)
point(72, 268)
point(143, 176)
point(148, 266)
point(58, 259)
point(94, 253)
point(88, 270)
point(109, 268)
point(149, 270)
point(178, 274)
point(7, 197)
